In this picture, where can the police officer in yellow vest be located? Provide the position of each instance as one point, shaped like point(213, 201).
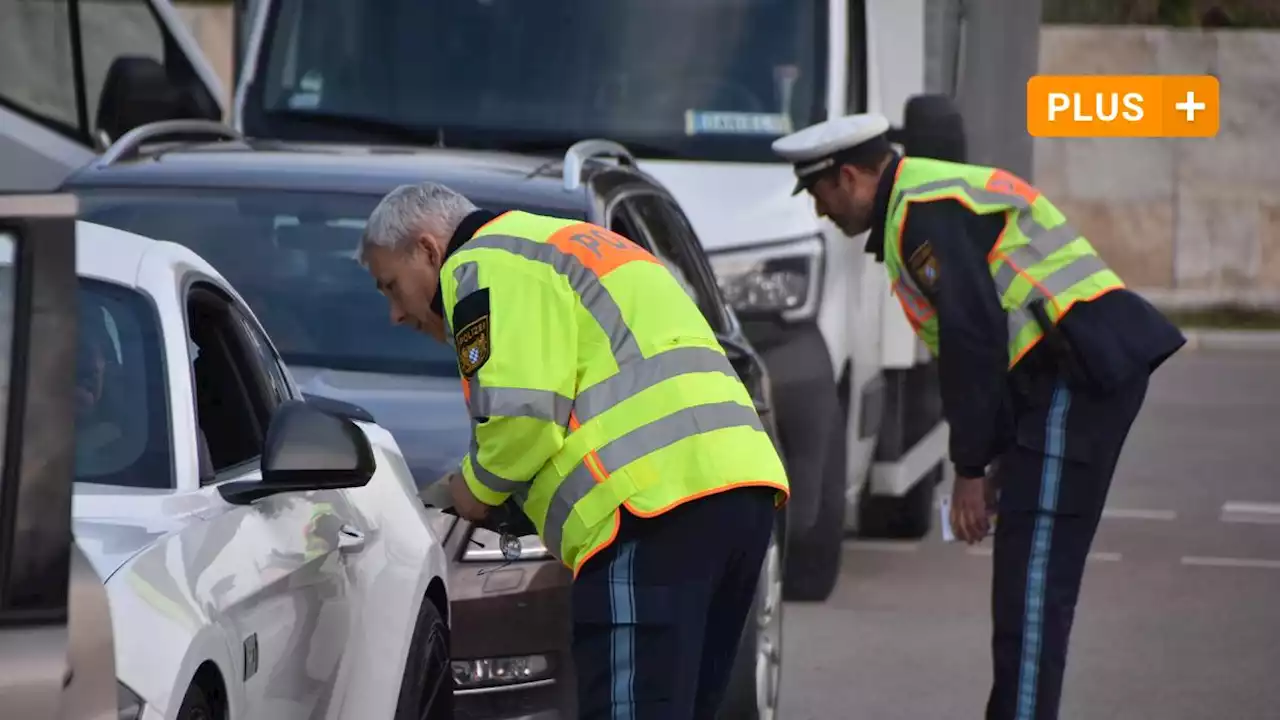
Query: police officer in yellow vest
point(602, 404)
point(983, 263)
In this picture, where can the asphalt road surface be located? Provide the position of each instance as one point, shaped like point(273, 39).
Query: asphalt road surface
point(1179, 616)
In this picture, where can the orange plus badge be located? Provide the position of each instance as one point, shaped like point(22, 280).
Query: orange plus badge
point(1168, 106)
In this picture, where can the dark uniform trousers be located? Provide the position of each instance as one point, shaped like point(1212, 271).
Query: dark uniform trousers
point(657, 615)
point(1053, 482)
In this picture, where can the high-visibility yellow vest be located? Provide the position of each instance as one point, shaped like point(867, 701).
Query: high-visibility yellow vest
point(615, 375)
point(1038, 254)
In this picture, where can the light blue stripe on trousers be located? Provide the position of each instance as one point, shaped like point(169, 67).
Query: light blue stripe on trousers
point(1041, 543)
point(622, 606)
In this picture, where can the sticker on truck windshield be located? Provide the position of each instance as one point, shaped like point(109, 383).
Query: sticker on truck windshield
point(704, 122)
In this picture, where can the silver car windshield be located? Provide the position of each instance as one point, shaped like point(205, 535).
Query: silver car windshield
point(291, 256)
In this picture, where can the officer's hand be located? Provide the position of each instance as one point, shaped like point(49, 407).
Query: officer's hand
point(969, 509)
point(465, 502)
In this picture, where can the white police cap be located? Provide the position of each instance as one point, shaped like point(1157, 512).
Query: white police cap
point(815, 148)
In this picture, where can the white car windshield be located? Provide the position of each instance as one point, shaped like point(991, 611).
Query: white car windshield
point(512, 72)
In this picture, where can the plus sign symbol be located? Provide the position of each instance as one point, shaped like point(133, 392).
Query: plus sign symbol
point(1190, 106)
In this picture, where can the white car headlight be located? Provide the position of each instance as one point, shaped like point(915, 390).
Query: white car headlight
point(781, 279)
point(486, 546)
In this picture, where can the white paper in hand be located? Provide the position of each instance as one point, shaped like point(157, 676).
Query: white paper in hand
point(944, 517)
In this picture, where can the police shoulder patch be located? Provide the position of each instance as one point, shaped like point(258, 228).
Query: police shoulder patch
point(923, 266)
point(471, 318)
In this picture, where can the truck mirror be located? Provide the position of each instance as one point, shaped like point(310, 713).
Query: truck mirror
point(934, 128)
point(138, 91)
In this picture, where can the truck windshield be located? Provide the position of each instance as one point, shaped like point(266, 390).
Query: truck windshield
point(695, 79)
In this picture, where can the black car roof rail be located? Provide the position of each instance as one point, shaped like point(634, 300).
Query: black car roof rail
point(580, 152)
point(129, 143)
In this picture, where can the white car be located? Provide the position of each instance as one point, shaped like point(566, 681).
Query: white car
point(262, 558)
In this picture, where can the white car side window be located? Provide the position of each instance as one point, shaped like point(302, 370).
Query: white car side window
point(122, 430)
point(232, 411)
point(271, 365)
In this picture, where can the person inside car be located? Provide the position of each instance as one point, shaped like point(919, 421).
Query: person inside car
point(97, 430)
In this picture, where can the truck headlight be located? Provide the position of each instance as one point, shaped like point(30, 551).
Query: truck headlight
point(781, 279)
point(486, 546)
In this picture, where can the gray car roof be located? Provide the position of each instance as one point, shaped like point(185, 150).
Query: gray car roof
point(486, 177)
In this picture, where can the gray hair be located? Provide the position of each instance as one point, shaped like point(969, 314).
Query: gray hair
point(412, 209)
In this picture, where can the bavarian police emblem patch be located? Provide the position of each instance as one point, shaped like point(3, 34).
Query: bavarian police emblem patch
point(472, 339)
point(924, 266)
point(473, 346)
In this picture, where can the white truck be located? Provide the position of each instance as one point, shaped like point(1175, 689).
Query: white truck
point(696, 89)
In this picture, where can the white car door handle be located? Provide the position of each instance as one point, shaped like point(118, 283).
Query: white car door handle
point(350, 539)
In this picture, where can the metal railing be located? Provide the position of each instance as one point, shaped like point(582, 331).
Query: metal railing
point(131, 142)
point(580, 152)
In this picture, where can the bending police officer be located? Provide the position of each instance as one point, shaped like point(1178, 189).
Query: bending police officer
point(1043, 360)
point(603, 405)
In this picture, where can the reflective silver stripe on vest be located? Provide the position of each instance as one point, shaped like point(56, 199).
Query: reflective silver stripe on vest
point(593, 295)
point(489, 479)
point(1017, 320)
point(1054, 284)
point(634, 445)
point(467, 276)
point(982, 195)
point(644, 374)
point(1042, 242)
point(921, 310)
point(521, 402)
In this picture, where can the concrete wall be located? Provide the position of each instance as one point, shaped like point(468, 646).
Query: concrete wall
point(213, 27)
point(1190, 221)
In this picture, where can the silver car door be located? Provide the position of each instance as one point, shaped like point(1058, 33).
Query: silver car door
point(56, 654)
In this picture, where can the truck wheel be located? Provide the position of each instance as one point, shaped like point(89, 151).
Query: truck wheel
point(757, 670)
point(909, 517)
point(813, 556)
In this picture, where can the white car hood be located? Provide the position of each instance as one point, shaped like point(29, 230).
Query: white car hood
point(735, 205)
point(112, 524)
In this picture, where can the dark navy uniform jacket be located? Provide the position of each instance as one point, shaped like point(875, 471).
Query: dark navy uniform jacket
point(1114, 337)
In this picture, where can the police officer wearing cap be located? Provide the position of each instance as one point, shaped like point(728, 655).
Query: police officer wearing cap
point(1043, 355)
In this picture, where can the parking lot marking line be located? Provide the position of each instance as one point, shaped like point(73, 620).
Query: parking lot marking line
point(1092, 557)
point(883, 546)
point(1251, 512)
point(1114, 513)
point(1259, 563)
point(1104, 557)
